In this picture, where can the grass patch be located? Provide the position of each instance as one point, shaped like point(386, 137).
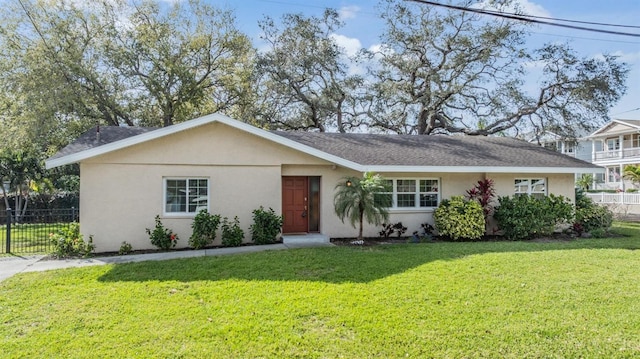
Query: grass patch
point(484, 299)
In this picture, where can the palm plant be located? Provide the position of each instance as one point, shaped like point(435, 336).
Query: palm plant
point(362, 198)
point(632, 173)
point(585, 181)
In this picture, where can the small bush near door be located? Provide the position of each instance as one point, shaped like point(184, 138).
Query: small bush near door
point(266, 226)
point(204, 228)
point(162, 237)
point(232, 234)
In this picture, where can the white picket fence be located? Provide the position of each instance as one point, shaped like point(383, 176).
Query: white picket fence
point(620, 198)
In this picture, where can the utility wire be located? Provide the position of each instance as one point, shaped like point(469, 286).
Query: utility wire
point(620, 113)
point(565, 20)
point(522, 18)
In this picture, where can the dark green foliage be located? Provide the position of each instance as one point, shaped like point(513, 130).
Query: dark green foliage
point(590, 215)
point(125, 248)
point(266, 226)
point(204, 228)
point(460, 219)
point(360, 199)
point(232, 234)
point(69, 243)
point(161, 237)
point(525, 217)
point(389, 228)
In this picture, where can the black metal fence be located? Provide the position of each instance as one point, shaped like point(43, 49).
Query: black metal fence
point(31, 232)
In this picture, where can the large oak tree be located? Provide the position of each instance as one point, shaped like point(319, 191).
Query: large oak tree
point(449, 71)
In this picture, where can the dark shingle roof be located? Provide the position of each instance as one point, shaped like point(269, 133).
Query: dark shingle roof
point(108, 134)
point(387, 150)
point(414, 150)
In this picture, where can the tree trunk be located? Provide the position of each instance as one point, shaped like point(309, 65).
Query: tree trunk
point(360, 236)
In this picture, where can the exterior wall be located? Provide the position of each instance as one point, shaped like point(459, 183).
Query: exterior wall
point(122, 192)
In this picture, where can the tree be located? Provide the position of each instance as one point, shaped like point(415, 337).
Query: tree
point(585, 181)
point(305, 83)
point(449, 71)
point(632, 173)
point(362, 198)
point(120, 62)
point(19, 168)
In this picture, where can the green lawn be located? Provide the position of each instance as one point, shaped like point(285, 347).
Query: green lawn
point(575, 299)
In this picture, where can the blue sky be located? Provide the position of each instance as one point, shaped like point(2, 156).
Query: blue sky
point(363, 28)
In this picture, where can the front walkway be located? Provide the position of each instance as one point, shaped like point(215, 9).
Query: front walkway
point(10, 266)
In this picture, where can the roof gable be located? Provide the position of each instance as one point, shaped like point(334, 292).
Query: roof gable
point(360, 152)
point(616, 127)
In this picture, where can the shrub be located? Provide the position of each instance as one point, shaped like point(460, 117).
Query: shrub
point(125, 248)
point(266, 226)
point(232, 234)
point(204, 228)
point(592, 216)
point(68, 242)
point(459, 219)
point(389, 228)
point(484, 193)
point(524, 217)
point(161, 237)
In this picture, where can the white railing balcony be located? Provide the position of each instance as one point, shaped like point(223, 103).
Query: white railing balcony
point(633, 152)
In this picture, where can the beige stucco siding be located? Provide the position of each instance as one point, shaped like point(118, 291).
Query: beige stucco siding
point(119, 201)
point(122, 191)
point(211, 144)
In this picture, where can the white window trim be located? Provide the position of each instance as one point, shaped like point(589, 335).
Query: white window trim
point(416, 208)
point(183, 214)
point(530, 186)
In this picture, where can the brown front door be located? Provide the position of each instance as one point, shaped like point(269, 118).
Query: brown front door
point(294, 204)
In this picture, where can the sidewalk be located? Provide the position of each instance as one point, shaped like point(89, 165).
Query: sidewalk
point(10, 266)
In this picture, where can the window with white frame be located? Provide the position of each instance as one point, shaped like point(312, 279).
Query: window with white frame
point(185, 195)
point(613, 144)
point(413, 193)
point(535, 187)
point(613, 174)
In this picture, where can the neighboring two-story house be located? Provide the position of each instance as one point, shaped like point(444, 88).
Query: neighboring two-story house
point(614, 146)
point(579, 148)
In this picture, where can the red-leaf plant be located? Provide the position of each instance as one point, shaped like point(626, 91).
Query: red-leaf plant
point(484, 193)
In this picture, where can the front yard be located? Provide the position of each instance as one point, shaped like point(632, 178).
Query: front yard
point(486, 299)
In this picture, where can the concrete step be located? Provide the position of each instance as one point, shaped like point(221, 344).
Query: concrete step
point(305, 238)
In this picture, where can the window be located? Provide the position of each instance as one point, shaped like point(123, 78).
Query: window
point(535, 187)
point(413, 193)
point(613, 174)
point(613, 144)
point(186, 195)
point(570, 147)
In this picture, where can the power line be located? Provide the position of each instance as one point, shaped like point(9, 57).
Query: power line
point(522, 18)
point(565, 20)
point(620, 113)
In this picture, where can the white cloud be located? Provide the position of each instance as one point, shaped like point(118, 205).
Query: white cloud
point(348, 12)
point(380, 49)
point(525, 7)
point(351, 45)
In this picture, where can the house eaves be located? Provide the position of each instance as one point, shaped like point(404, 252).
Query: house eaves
point(204, 120)
point(348, 154)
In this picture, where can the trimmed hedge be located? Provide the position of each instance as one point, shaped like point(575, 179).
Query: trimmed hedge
point(460, 219)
